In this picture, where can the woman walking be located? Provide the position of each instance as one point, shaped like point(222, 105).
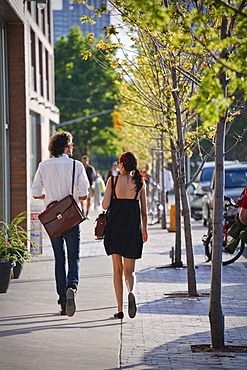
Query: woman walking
point(126, 230)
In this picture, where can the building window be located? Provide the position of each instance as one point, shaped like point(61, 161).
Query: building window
point(36, 13)
point(48, 23)
point(35, 156)
point(42, 21)
point(52, 127)
point(33, 62)
point(47, 75)
point(41, 75)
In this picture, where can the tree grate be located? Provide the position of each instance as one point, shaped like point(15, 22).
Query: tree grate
point(208, 348)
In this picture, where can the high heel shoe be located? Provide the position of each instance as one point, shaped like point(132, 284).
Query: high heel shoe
point(119, 315)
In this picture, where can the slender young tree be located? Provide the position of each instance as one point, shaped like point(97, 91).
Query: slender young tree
point(214, 33)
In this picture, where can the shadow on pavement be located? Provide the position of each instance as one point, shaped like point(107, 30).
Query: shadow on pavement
point(202, 360)
point(61, 323)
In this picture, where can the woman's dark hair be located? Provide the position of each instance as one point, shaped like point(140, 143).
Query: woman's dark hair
point(130, 162)
point(58, 142)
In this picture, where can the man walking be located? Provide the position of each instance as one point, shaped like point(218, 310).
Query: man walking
point(91, 174)
point(169, 183)
point(52, 182)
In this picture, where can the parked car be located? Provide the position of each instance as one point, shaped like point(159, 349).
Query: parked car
point(235, 181)
point(200, 187)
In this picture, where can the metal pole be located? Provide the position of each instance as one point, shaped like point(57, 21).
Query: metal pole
point(84, 118)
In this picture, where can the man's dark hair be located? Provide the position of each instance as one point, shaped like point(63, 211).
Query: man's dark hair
point(58, 142)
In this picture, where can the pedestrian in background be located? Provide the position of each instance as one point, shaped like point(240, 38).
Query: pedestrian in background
point(52, 182)
point(242, 202)
point(238, 230)
point(126, 229)
point(169, 183)
point(99, 190)
point(148, 178)
point(91, 174)
point(113, 171)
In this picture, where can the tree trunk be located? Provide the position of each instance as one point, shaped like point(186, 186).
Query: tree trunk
point(178, 262)
point(188, 242)
point(215, 310)
point(185, 204)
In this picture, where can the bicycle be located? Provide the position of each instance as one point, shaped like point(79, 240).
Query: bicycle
point(230, 210)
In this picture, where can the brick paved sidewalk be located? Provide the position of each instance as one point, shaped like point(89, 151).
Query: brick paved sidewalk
point(159, 337)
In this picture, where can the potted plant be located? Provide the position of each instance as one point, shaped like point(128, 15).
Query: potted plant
point(6, 265)
point(13, 246)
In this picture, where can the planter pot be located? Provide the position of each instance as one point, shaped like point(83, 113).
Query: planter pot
point(5, 275)
point(17, 269)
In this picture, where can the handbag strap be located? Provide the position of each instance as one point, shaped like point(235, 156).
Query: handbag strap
point(73, 177)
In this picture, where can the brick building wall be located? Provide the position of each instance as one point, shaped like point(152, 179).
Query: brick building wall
point(28, 113)
point(17, 119)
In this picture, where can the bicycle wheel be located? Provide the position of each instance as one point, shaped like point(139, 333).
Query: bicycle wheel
point(227, 258)
point(207, 241)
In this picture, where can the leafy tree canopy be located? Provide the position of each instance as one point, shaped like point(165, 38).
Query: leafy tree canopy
point(190, 31)
point(84, 88)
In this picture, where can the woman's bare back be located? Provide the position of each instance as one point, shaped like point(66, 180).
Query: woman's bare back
point(125, 187)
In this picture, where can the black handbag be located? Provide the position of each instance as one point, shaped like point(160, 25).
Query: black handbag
point(60, 216)
point(101, 220)
point(99, 230)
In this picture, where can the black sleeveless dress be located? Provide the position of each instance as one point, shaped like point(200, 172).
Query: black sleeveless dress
point(123, 233)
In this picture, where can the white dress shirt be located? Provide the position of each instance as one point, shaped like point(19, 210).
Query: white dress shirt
point(54, 179)
point(169, 183)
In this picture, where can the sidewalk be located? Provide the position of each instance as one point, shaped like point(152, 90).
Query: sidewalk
point(33, 336)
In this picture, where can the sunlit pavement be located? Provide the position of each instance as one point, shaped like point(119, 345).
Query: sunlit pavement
point(33, 336)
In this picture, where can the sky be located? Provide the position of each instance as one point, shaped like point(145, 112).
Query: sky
point(115, 20)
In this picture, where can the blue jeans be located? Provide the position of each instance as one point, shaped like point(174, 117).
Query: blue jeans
point(71, 279)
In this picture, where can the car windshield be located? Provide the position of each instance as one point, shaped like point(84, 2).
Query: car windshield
point(236, 178)
point(207, 174)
